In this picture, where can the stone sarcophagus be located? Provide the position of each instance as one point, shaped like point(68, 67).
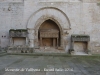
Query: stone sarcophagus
point(18, 37)
point(79, 38)
point(51, 33)
point(18, 41)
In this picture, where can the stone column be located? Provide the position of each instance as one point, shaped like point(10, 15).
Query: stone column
point(36, 39)
point(27, 41)
point(11, 42)
point(88, 47)
point(57, 42)
point(54, 42)
point(41, 42)
point(62, 41)
point(31, 37)
point(31, 43)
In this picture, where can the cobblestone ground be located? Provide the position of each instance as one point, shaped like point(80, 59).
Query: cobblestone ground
point(49, 65)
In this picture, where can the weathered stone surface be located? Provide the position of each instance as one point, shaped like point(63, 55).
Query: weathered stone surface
point(50, 65)
point(72, 16)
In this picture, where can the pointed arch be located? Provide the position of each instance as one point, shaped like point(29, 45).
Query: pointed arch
point(43, 14)
point(52, 12)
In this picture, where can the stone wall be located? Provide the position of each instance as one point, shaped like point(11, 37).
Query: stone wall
point(74, 16)
point(11, 17)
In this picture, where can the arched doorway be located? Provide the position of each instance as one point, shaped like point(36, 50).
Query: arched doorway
point(36, 20)
point(49, 34)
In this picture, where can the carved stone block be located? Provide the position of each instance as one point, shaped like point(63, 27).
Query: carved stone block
point(48, 33)
point(18, 33)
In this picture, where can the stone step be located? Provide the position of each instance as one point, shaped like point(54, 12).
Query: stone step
point(47, 54)
point(49, 50)
point(3, 53)
point(80, 53)
point(40, 54)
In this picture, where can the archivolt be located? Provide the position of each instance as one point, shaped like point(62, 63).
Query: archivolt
point(32, 23)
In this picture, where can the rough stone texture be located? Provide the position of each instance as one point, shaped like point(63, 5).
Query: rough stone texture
point(72, 16)
point(66, 65)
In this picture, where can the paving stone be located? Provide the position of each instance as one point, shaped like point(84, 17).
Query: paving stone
point(60, 73)
point(40, 73)
point(79, 66)
point(69, 73)
point(50, 73)
point(10, 73)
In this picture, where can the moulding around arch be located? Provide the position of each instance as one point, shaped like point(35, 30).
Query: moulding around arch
point(48, 8)
point(43, 19)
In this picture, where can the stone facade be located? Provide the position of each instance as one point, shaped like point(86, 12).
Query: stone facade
point(71, 16)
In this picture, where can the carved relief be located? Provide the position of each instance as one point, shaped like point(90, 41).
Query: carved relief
point(48, 33)
point(18, 33)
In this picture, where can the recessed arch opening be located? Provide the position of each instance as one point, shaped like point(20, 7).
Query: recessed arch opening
point(49, 34)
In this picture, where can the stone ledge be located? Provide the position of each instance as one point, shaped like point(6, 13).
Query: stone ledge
point(20, 50)
point(52, 54)
point(3, 53)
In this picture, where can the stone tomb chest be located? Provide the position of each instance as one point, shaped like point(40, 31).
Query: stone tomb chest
point(18, 41)
point(18, 36)
point(51, 33)
point(80, 39)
